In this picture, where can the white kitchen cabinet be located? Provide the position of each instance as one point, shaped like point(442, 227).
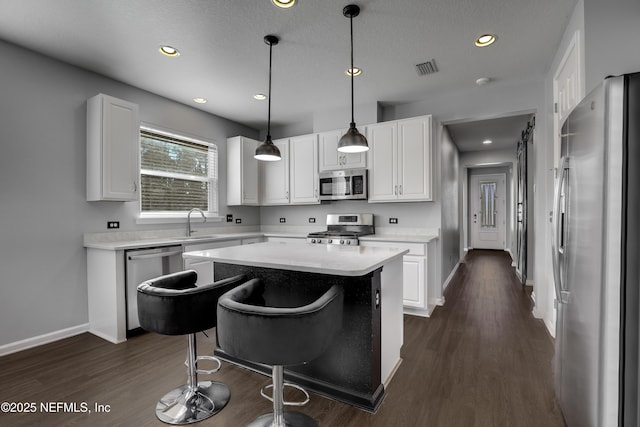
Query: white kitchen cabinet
point(113, 129)
point(413, 284)
point(303, 151)
point(294, 179)
point(242, 171)
point(383, 161)
point(332, 159)
point(274, 177)
point(400, 160)
point(415, 277)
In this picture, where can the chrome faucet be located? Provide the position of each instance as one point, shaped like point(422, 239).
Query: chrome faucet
point(204, 219)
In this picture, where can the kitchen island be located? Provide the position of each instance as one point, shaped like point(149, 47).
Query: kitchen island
point(366, 352)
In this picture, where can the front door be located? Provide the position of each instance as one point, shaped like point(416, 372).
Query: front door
point(488, 211)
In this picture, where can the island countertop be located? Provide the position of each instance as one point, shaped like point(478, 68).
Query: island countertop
point(325, 259)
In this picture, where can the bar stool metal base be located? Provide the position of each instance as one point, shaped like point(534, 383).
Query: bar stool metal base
point(185, 406)
point(290, 419)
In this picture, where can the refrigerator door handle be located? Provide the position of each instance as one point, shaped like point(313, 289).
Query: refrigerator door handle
point(561, 295)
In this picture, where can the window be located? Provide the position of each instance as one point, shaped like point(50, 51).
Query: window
point(176, 174)
point(487, 204)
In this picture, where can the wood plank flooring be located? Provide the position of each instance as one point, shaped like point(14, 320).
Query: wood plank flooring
point(481, 360)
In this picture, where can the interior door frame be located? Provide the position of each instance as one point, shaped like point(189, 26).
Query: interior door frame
point(501, 219)
point(508, 168)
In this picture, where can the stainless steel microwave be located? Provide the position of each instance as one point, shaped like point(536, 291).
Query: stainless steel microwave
point(348, 184)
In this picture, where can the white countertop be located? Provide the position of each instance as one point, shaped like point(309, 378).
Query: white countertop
point(146, 239)
point(406, 238)
point(324, 259)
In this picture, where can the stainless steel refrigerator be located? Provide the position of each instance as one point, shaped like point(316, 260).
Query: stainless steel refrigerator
point(596, 257)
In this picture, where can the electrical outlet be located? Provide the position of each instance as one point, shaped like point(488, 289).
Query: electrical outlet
point(238, 220)
point(283, 220)
point(312, 220)
point(393, 220)
point(113, 224)
point(229, 217)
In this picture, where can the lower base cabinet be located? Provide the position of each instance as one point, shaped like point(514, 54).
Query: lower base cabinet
point(415, 275)
point(414, 285)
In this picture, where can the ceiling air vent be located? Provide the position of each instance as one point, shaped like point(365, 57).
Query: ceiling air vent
point(428, 67)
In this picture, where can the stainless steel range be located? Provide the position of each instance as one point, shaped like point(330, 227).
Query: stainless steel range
point(343, 229)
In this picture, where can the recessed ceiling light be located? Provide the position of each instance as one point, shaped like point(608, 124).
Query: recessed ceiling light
point(483, 81)
point(260, 96)
point(356, 71)
point(487, 142)
point(200, 100)
point(169, 51)
point(485, 40)
point(285, 4)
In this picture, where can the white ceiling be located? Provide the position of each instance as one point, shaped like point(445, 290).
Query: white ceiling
point(224, 58)
point(504, 132)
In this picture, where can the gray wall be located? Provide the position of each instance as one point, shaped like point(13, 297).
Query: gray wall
point(42, 186)
point(451, 204)
point(612, 34)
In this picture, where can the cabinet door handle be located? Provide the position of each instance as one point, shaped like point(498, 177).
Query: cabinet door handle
point(400, 189)
point(395, 190)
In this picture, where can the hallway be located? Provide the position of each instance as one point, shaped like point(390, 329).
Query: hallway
point(481, 360)
point(490, 359)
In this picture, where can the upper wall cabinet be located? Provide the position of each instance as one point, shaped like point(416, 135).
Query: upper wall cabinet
point(304, 169)
point(242, 171)
point(294, 179)
point(274, 177)
point(113, 128)
point(400, 160)
point(332, 159)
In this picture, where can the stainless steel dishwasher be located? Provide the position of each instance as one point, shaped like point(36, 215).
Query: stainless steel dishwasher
point(145, 264)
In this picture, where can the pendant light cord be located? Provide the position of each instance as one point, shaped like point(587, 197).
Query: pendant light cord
point(269, 102)
point(353, 122)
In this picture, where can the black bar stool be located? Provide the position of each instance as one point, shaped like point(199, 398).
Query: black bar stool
point(277, 336)
point(174, 305)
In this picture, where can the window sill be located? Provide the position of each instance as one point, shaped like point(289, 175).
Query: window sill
point(175, 217)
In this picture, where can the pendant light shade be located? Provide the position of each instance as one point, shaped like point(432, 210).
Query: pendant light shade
point(267, 151)
point(352, 141)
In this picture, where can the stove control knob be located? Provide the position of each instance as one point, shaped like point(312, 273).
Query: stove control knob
point(348, 242)
point(313, 240)
point(330, 241)
point(342, 242)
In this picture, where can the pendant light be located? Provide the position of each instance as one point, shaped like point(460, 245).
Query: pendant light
point(352, 141)
point(267, 151)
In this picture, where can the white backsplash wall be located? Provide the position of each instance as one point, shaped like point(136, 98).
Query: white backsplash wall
point(410, 215)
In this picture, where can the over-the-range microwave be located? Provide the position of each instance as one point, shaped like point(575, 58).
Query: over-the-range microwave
point(347, 184)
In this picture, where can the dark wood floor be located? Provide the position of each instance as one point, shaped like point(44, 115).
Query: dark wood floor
point(481, 360)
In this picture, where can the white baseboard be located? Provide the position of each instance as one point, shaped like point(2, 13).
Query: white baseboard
point(550, 328)
point(422, 312)
point(449, 278)
point(42, 339)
